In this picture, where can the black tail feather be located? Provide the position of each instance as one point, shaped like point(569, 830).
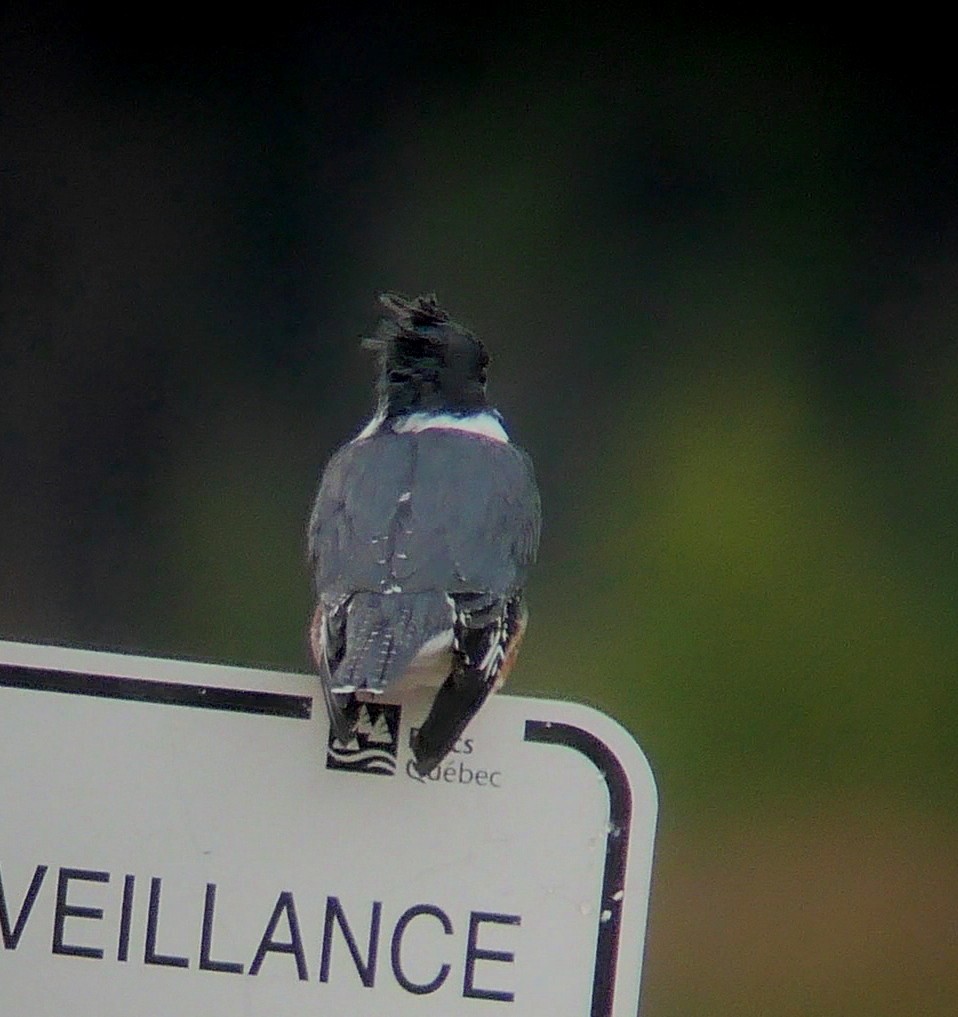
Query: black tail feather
point(457, 702)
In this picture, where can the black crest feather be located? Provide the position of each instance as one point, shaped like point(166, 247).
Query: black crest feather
point(423, 310)
point(426, 360)
point(408, 322)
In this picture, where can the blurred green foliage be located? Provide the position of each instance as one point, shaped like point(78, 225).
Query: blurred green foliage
point(735, 602)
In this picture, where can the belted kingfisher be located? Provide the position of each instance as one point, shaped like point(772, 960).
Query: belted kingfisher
point(421, 536)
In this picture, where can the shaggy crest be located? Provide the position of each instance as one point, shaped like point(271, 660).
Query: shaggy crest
point(411, 325)
point(423, 354)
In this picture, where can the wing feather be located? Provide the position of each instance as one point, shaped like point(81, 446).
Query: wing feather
point(429, 511)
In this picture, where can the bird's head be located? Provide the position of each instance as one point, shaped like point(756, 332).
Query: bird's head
point(427, 362)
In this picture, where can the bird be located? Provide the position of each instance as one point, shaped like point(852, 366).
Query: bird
point(421, 536)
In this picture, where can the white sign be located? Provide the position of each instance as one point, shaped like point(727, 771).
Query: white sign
point(180, 838)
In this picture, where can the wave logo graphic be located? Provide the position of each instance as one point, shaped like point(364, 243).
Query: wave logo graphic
point(374, 745)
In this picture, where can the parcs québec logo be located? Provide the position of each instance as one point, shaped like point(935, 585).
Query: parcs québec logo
point(374, 745)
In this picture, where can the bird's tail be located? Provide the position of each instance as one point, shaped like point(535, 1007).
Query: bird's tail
point(384, 632)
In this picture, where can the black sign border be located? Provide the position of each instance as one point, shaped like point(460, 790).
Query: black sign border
point(616, 848)
point(145, 690)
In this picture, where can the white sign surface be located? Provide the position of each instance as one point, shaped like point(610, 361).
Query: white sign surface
point(180, 838)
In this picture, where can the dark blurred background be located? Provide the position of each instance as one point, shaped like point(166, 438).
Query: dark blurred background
point(718, 271)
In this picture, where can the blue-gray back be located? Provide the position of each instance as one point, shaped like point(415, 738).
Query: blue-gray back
point(433, 510)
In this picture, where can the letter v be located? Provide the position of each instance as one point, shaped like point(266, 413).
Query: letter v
point(12, 938)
